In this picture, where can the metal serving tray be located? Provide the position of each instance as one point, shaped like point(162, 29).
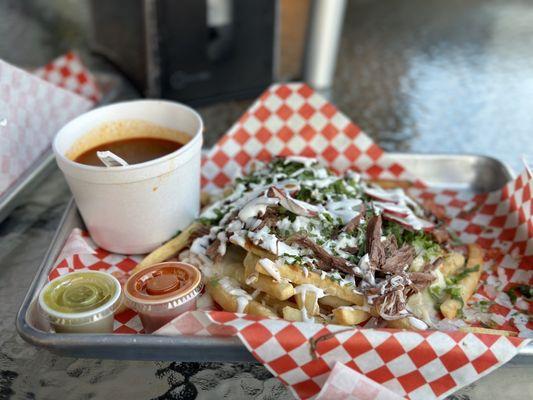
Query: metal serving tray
point(460, 172)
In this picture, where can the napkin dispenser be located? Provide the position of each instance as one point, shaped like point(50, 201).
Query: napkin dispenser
point(194, 51)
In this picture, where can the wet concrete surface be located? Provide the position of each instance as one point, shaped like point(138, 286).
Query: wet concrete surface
point(425, 76)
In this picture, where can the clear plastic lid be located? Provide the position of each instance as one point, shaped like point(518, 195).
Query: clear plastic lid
point(162, 287)
point(80, 298)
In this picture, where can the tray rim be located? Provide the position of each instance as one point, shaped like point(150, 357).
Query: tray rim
point(14, 193)
point(141, 347)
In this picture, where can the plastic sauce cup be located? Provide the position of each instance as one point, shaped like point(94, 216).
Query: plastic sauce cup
point(81, 302)
point(162, 292)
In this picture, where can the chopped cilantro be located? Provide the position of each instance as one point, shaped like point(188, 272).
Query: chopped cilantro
point(453, 280)
point(436, 293)
point(304, 194)
point(484, 305)
point(523, 290)
point(454, 292)
point(219, 214)
point(431, 249)
point(420, 240)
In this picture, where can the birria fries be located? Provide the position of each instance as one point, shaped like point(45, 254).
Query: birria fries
point(295, 241)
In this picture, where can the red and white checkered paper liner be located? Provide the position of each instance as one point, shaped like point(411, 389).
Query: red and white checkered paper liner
point(68, 72)
point(418, 365)
point(293, 119)
point(33, 110)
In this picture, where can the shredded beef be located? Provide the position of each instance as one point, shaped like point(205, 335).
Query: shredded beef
point(374, 247)
point(421, 280)
point(202, 230)
point(269, 219)
point(390, 245)
point(441, 235)
point(434, 265)
point(326, 262)
point(270, 192)
point(390, 304)
point(212, 251)
point(437, 211)
point(398, 260)
point(354, 250)
point(352, 225)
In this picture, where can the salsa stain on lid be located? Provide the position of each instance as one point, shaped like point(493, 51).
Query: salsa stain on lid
point(163, 291)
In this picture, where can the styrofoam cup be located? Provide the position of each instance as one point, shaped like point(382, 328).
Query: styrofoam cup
point(133, 209)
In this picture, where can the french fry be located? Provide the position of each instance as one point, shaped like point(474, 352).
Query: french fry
point(453, 262)
point(308, 301)
point(405, 323)
point(279, 290)
point(275, 304)
point(392, 184)
point(333, 302)
point(501, 332)
point(467, 285)
point(205, 198)
point(249, 263)
point(293, 314)
point(402, 323)
point(349, 316)
point(265, 283)
point(223, 290)
point(168, 250)
point(295, 274)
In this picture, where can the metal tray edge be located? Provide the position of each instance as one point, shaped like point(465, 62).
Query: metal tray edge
point(12, 197)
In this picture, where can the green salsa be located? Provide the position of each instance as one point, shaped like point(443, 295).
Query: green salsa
point(79, 292)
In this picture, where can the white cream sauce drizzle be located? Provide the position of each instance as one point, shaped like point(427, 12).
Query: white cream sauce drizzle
point(345, 209)
point(271, 268)
point(306, 161)
point(231, 287)
point(303, 290)
point(271, 243)
point(256, 207)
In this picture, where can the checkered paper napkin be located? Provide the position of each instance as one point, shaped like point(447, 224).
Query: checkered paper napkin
point(354, 363)
point(32, 110)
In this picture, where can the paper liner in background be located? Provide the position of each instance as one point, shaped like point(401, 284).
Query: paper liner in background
point(292, 119)
point(33, 110)
point(68, 72)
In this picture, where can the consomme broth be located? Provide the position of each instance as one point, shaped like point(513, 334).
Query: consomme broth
point(132, 150)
